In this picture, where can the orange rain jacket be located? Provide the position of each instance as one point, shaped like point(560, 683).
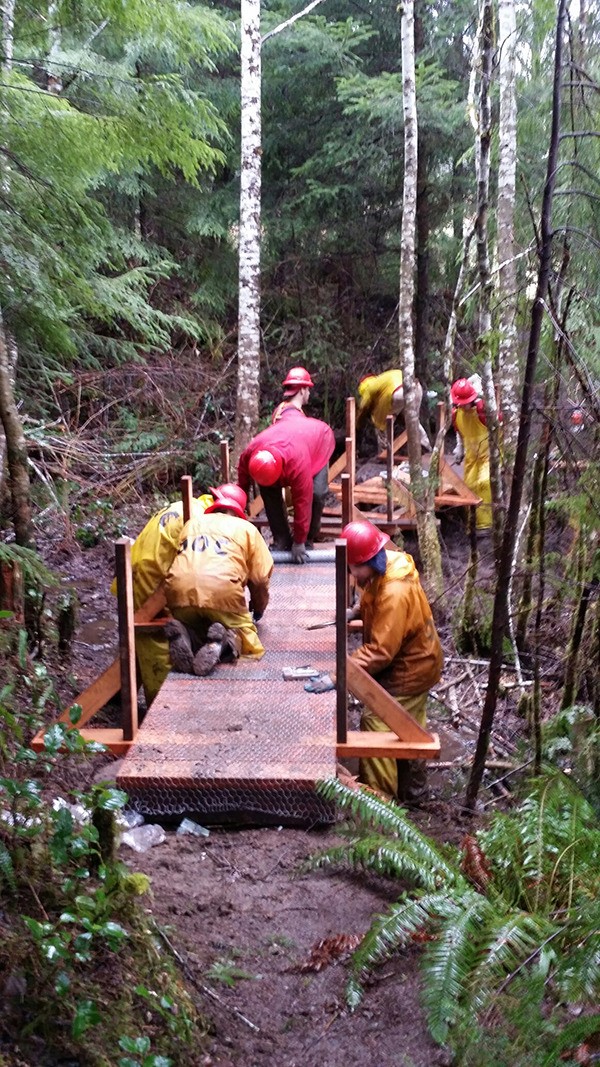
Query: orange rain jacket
point(401, 647)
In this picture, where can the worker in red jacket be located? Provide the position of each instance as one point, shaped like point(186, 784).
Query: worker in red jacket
point(293, 452)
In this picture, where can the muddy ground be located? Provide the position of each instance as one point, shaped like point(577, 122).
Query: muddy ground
point(237, 906)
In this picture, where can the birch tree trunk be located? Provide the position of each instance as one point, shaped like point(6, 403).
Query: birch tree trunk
point(247, 405)
point(508, 363)
point(426, 528)
point(499, 620)
point(13, 450)
point(482, 163)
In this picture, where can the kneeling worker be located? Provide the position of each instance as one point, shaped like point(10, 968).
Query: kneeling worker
point(401, 648)
point(152, 554)
point(220, 553)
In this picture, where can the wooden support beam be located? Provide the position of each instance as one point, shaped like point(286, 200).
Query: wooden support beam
point(383, 704)
point(346, 499)
point(440, 415)
point(108, 684)
point(399, 443)
point(365, 744)
point(112, 738)
point(129, 704)
point(351, 417)
point(337, 468)
point(341, 638)
point(187, 495)
point(389, 430)
point(351, 463)
point(224, 461)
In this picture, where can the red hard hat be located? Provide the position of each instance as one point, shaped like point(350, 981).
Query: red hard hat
point(297, 378)
point(230, 496)
point(364, 541)
point(577, 417)
point(265, 466)
point(462, 392)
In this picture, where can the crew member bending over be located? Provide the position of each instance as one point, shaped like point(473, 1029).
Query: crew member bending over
point(381, 395)
point(220, 554)
point(401, 648)
point(292, 452)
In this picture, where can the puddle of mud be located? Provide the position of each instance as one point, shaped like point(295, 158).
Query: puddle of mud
point(100, 633)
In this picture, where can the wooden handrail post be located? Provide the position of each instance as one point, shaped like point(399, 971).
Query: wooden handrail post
point(351, 417)
point(187, 495)
point(341, 639)
point(441, 415)
point(224, 461)
point(346, 499)
point(129, 703)
point(389, 429)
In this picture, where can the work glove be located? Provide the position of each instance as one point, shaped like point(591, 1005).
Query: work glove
point(256, 615)
point(299, 553)
point(323, 684)
point(353, 613)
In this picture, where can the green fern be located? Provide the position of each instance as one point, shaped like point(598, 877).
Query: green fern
point(539, 916)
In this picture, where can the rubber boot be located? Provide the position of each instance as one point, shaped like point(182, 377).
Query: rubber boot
point(315, 521)
point(221, 644)
point(180, 646)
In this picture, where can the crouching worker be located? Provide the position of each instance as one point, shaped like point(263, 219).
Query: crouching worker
point(401, 648)
point(220, 553)
point(381, 395)
point(152, 554)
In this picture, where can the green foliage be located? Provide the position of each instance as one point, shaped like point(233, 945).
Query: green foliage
point(533, 907)
point(571, 741)
point(74, 928)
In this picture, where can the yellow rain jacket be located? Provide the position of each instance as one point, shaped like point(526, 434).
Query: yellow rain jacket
point(401, 647)
point(152, 554)
point(219, 555)
point(376, 397)
point(467, 422)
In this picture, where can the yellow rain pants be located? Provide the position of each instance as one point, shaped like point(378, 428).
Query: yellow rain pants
point(383, 774)
point(477, 461)
point(152, 554)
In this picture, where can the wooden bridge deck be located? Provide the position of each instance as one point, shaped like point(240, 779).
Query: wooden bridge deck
point(243, 745)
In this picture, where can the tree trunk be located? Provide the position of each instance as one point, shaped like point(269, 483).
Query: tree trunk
point(508, 363)
point(429, 545)
point(247, 407)
point(482, 163)
point(512, 518)
point(16, 448)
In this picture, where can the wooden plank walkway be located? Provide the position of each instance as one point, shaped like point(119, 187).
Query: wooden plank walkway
point(243, 745)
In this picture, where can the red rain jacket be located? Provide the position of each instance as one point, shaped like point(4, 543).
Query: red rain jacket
point(305, 446)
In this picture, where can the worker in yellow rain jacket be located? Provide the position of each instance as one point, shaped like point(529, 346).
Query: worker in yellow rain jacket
point(473, 445)
point(220, 554)
point(381, 395)
point(401, 648)
point(152, 554)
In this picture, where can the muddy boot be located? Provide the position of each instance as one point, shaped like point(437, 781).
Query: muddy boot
point(209, 655)
point(180, 646)
point(231, 649)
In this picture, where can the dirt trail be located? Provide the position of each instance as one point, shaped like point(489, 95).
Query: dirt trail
point(237, 900)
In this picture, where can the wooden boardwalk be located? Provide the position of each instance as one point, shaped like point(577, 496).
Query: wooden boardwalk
point(244, 745)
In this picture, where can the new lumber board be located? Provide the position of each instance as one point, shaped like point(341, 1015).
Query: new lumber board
point(383, 704)
point(365, 744)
